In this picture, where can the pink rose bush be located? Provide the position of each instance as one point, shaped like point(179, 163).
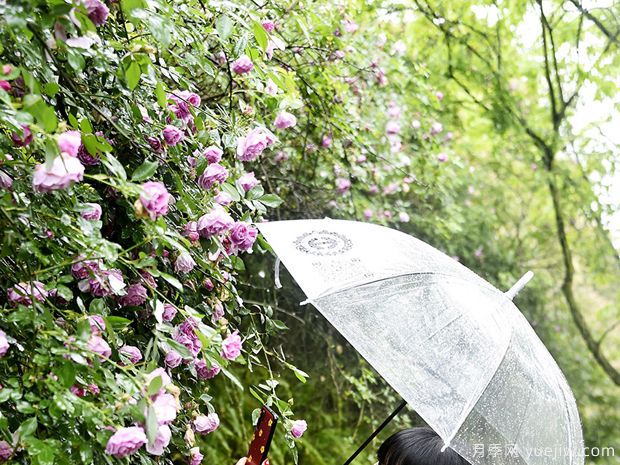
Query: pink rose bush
point(205, 424)
point(285, 120)
point(126, 441)
point(298, 428)
point(242, 65)
point(231, 346)
point(155, 199)
point(250, 146)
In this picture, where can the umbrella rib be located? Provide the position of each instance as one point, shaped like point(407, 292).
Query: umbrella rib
point(472, 403)
point(332, 291)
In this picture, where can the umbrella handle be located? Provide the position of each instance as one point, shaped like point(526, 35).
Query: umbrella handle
point(376, 432)
point(520, 284)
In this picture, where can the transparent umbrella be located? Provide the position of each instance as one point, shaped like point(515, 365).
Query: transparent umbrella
point(453, 346)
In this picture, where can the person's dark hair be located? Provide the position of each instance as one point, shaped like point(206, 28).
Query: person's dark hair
point(417, 446)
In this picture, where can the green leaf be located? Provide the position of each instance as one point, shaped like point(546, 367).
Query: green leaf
point(132, 74)
point(144, 171)
point(160, 93)
point(224, 27)
point(151, 424)
point(28, 427)
point(42, 113)
point(173, 281)
point(260, 35)
point(154, 386)
point(270, 200)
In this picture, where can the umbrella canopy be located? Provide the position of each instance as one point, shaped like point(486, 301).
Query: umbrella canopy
point(453, 346)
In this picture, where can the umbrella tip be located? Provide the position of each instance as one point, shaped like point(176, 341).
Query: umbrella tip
point(445, 446)
point(520, 284)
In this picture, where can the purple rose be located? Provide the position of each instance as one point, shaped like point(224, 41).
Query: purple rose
point(155, 199)
point(92, 212)
point(242, 65)
point(64, 171)
point(215, 222)
point(172, 134)
point(102, 283)
point(136, 295)
point(161, 373)
point(131, 353)
point(268, 25)
point(326, 142)
point(195, 457)
point(231, 347)
point(4, 344)
point(205, 424)
point(184, 263)
point(170, 312)
point(247, 181)
point(21, 293)
point(6, 451)
point(97, 324)
point(23, 140)
point(218, 312)
point(99, 346)
point(155, 144)
point(97, 11)
point(285, 120)
point(126, 441)
point(69, 142)
point(223, 198)
point(392, 128)
point(342, 185)
point(208, 284)
point(184, 334)
point(243, 235)
point(162, 439)
point(190, 231)
point(298, 428)
point(6, 182)
point(442, 157)
point(214, 174)
point(173, 359)
point(85, 156)
point(205, 372)
point(166, 407)
point(213, 154)
point(254, 143)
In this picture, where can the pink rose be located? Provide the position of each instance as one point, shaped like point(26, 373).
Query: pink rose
point(6, 451)
point(326, 142)
point(215, 222)
point(343, 185)
point(231, 347)
point(161, 373)
point(131, 353)
point(214, 174)
point(268, 25)
point(69, 142)
point(5, 85)
point(6, 182)
point(247, 181)
point(97, 324)
point(254, 143)
point(65, 170)
point(173, 359)
point(23, 140)
point(172, 134)
point(223, 198)
point(368, 213)
point(205, 424)
point(439, 95)
point(170, 312)
point(205, 372)
point(298, 428)
point(242, 65)
point(243, 235)
point(155, 199)
point(126, 441)
point(392, 128)
point(136, 295)
point(4, 344)
point(442, 157)
point(21, 293)
point(213, 154)
point(97, 11)
point(218, 312)
point(184, 263)
point(190, 231)
point(166, 407)
point(403, 217)
point(285, 120)
point(99, 346)
point(436, 128)
point(162, 439)
point(92, 212)
point(195, 457)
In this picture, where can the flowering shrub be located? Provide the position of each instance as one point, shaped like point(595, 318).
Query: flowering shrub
point(139, 139)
